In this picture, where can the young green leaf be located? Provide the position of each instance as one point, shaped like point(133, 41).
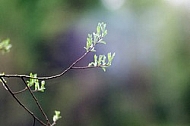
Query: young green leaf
point(57, 116)
point(110, 58)
point(96, 38)
point(100, 60)
point(95, 60)
point(89, 42)
point(32, 80)
point(5, 46)
point(104, 69)
point(98, 29)
point(42, 88)
point(102, 42)
point(36, 85)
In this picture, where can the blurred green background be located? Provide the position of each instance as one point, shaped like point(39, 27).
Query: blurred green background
point(148, 83)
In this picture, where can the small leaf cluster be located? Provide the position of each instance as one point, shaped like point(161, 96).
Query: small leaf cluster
point(38, 86)
point(5, 46)
point(38, 83)
point(102, 61)
point(57, 116)
point(96, 38)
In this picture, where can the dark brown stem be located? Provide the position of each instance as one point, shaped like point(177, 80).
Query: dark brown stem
point(18, 92)
point(20, 103)
point(48, 77)
point(38, 104)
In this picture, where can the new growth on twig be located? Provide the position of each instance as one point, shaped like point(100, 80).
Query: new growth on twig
point(37, 84)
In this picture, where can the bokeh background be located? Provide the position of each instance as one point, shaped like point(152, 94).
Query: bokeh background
point(148, 83)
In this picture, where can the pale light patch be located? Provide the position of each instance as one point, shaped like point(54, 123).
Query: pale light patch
point(113, 4)
point(180, 3)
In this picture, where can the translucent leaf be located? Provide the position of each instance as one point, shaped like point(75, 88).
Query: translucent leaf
point(32, 80)
point(2, 74)
point(104, 33)
point(98, 29)
point(102, 42)
point(90, 35)
point(95, 60)
point(110, 58)
point(93, 50)
point(56, 116)
point(97, 37)
point(86, 48)
point(89, 42)
point(100, 60)
point(5, 46)
point(104, 69)
point(42, 88)
point(37, 86)
point(104, 60)
point(91, 64)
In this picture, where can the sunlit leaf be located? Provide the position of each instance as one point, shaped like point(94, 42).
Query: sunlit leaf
point(57, 116)
point(5, 46)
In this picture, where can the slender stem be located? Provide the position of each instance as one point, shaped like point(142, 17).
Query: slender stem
point(66, 70)
point(38, 104)
point(18, 92)
point(40, 78)
point(20, 103)
point(34, 122)
point(23, 77)
point(88, 67)
point(47, 77)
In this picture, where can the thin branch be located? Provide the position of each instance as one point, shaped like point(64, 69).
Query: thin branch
point(82, 67)
point(18, 92)
point(53, 123)
point(40, 78)
point(34, 121)
point(20, 103)
point(66, 70)
point(38, 104)
point(91, 42)
point(88, 67)
point(47, 77)
point(23, 90)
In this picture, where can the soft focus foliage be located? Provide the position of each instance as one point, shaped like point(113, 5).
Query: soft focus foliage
point(5, 46)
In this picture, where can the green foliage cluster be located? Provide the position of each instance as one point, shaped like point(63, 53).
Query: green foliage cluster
point(100, 61)
point(56, 116)
point(97, 38)
point(34, 81)
point(5, 46)
point(38, 83)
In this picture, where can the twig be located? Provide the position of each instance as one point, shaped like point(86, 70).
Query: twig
point(39, 106)
point(18, 92)
point(20, 103)
point(91, 42)
point(47, 77)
